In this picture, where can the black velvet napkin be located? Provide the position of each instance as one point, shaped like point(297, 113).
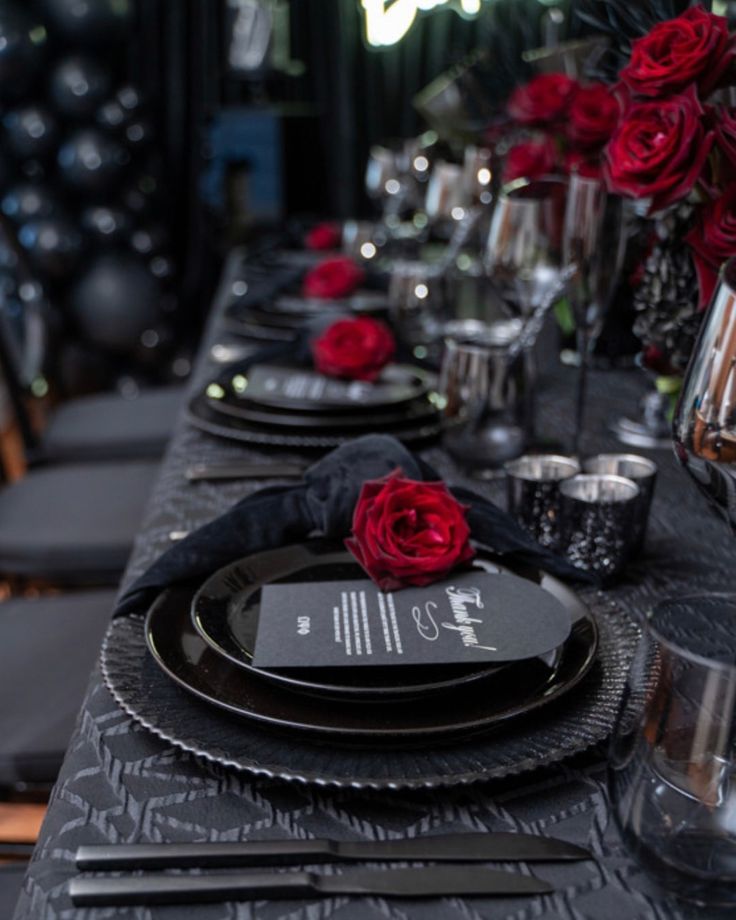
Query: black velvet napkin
point(323, 506)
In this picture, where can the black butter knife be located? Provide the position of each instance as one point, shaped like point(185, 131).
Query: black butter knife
point(503, 847)
point(428, 882)
point(213, 472)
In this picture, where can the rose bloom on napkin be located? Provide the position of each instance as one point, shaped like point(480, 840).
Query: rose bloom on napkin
point(333, 278)
point(323, 237)
point(408, 533)
point(354, 349)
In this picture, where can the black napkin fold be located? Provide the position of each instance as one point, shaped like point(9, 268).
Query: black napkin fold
point(323, 506)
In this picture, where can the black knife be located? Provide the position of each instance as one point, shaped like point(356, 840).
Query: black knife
point(503, 847)
point(428, 882)
point(212, 472)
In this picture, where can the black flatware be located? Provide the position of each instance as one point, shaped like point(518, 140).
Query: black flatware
point(475, 847)
point(429, 882)
point(214, 472)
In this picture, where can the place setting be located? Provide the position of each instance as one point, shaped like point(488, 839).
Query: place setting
point(290, 650)
point(341, 379)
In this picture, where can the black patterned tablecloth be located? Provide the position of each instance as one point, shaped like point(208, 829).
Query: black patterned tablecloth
point(120, 784)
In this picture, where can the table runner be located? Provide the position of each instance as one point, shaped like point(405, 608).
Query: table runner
point(120, 784)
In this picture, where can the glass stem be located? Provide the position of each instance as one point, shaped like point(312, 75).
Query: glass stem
point(583, 340)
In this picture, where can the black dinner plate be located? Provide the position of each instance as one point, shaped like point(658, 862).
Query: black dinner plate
point(504, 696)
point(201, 414)
point(226, 609)
point(251, 330)
point(422, 409)
point(398, 385)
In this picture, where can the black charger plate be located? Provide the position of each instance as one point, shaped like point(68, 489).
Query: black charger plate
point(583, 717)
point(204, 417)
point(226, 608)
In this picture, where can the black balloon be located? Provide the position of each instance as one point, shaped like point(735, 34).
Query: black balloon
point(26, 201)
point(78, 86)
point(54, 245)
point(91, 162)
point(111, 115)
point(22, 45)
point(32, 131)
point(138, 133)
point(116, 301)
point(105, 224)
point(89, 22)
point(149, 241)
point(82, 370)
point(129, 99)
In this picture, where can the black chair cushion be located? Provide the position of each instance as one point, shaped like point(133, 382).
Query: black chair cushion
point(11, 885)
point(73, 524)
point(110, 427)
point(48, 647)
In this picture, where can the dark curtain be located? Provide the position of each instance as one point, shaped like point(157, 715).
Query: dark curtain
point(364, 94)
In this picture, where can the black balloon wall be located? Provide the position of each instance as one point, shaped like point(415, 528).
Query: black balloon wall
point(80, 185)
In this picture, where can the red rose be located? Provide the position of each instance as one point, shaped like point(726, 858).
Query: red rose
point(724, 122)
point(694, 47)
point(586, 166)
point(323, 237)
point(407, 532)
point(333, 278)
point(543, 100)
point(593, 116)
point(658, 150)
point(713, 241)
point(356, 349)
point(530, 160)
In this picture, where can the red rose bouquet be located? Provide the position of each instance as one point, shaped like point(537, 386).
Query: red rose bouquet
point(674, 151)
point(408, 533)
point(566, 124)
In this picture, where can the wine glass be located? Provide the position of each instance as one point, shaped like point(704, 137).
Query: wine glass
point(593, 247)
point(672, 762)
point(524, 258)
point(705, 419)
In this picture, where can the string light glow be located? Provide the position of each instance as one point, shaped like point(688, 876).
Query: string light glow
point(388, 21)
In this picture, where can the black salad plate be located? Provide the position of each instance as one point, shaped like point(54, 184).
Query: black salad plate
point(302, 389)
point(203, 416)
point(226, 608)
point(579, 719)
point(507, 694)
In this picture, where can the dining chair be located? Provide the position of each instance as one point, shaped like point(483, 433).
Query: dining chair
point(48, 648)
point(107, 426)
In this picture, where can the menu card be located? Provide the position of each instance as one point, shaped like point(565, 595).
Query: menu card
point(472, 617)
point(283, 385)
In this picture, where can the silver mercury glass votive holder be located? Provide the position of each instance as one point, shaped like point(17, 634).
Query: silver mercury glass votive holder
point(533, 485)
point(597, 514)
point(638, 469)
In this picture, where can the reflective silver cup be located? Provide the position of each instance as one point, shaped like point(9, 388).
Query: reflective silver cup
point(482, 393)
point(638, 469)
point(597, 522)
point(533, 486)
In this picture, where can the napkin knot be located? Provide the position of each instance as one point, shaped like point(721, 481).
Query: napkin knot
point(334, 483)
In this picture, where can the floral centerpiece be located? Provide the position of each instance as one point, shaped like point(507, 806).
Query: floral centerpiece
point(663, 134)
point(674, 152)
point(564, 125)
